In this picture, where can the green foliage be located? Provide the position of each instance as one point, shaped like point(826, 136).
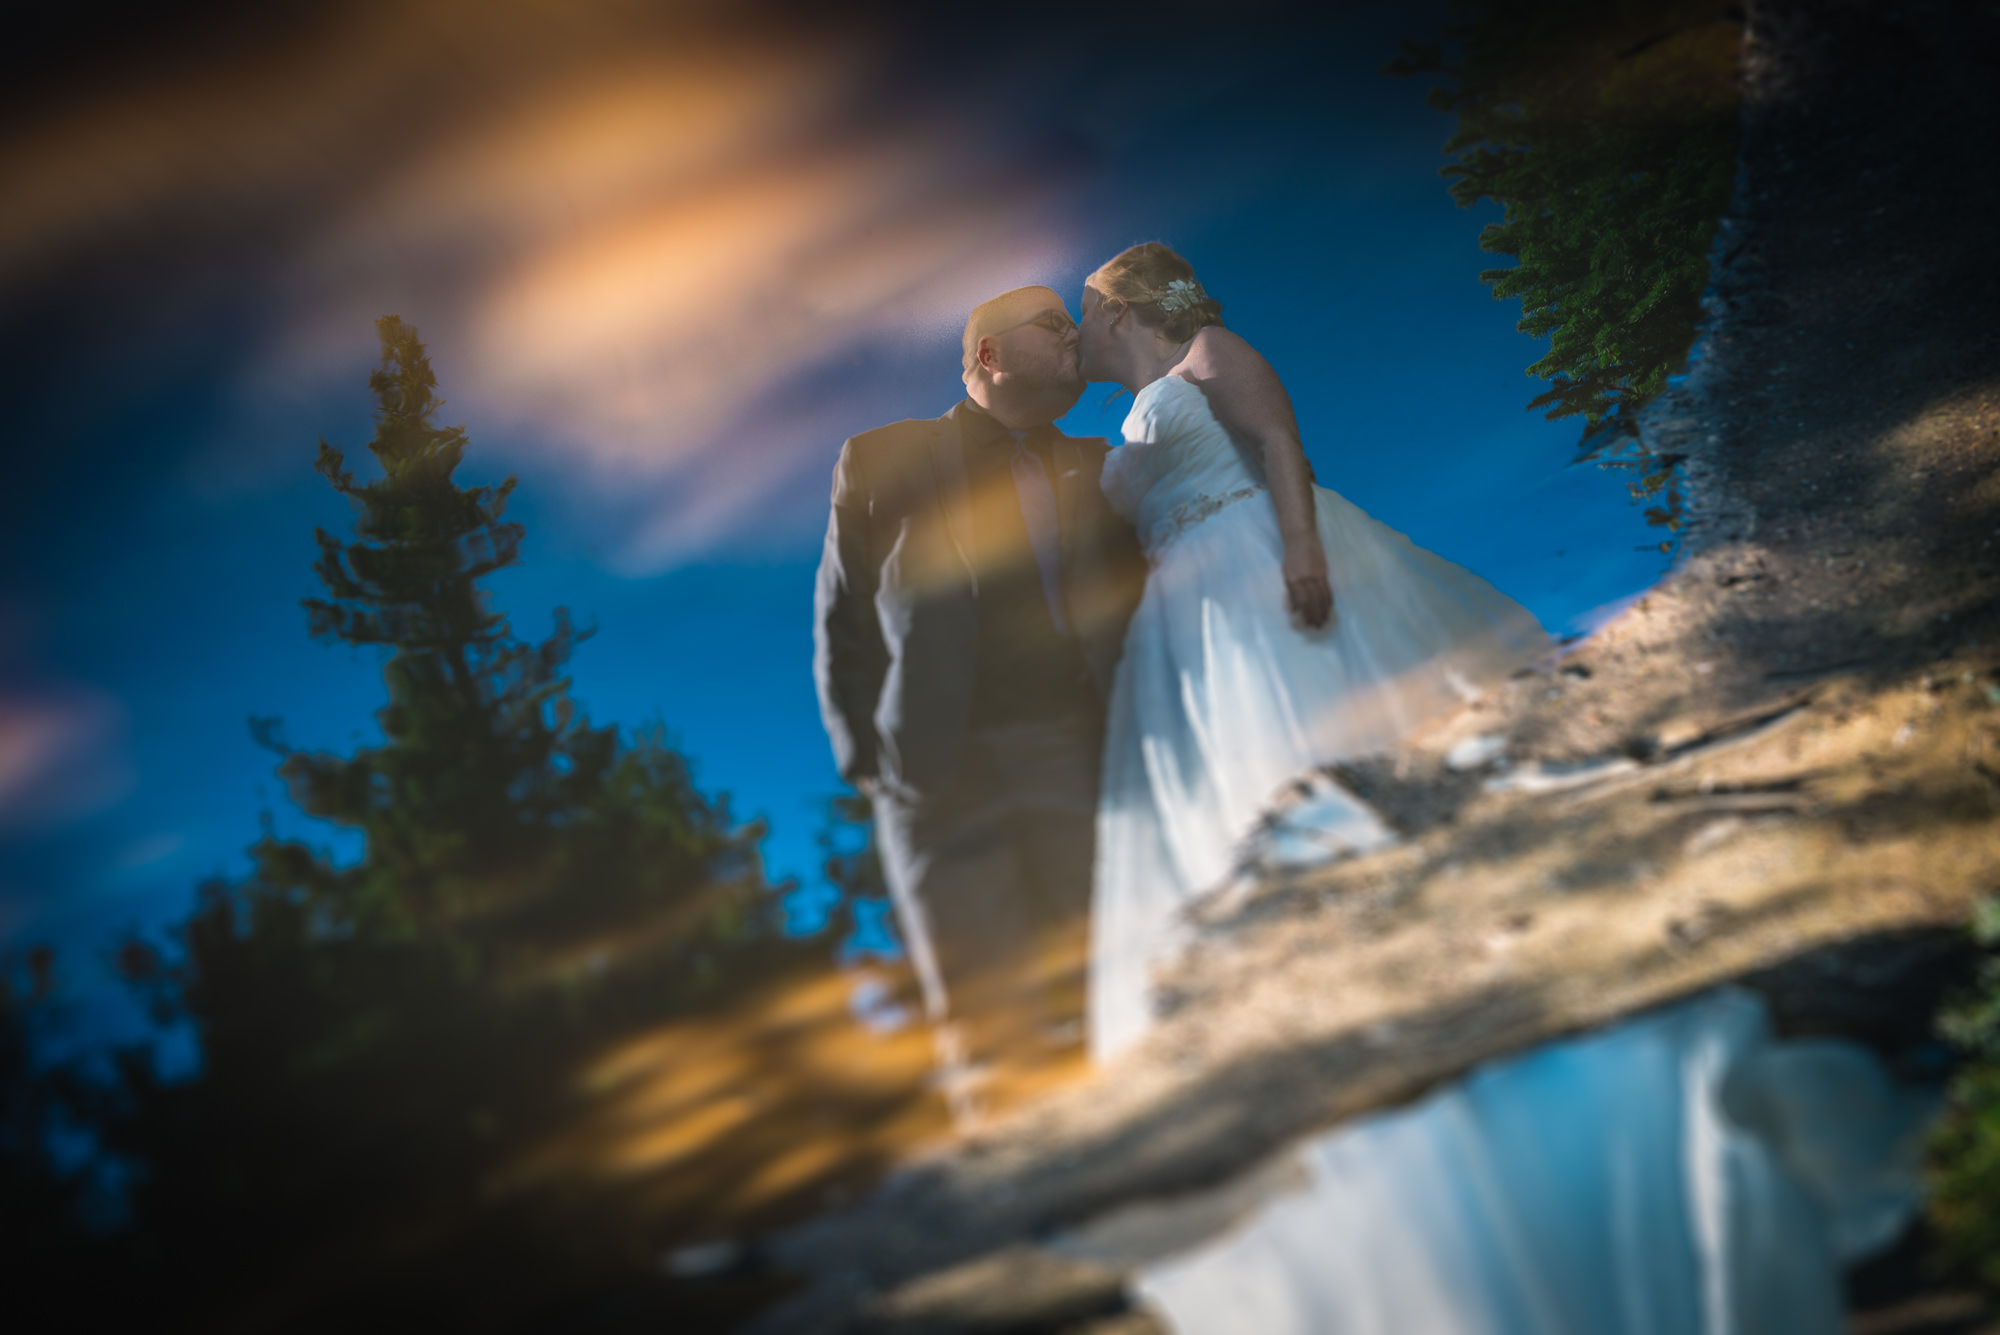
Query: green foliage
point(483, 750)
point(38, 1226)
point(492, 803)
point(1606, 130)
point(1965, 1148)
point(375, 1038)
point(852, 891)
point(850, 860)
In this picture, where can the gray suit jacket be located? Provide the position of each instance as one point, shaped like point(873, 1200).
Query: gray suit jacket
point(896, 605)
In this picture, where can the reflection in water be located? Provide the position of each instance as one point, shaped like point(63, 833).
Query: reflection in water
point(873, 1004)
point(718, 1119)
point(540, 1032)
point(1682, 1172)
point(874, 934)
point(998, 981)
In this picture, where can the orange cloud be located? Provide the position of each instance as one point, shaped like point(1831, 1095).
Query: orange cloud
point(650, 331)
point(620, 232)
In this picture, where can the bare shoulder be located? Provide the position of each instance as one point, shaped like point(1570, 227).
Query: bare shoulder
point(1218, 354)
point(1242, 388)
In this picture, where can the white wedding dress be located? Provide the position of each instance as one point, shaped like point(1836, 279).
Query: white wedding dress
point(1221, 700)
point(1680, 1173)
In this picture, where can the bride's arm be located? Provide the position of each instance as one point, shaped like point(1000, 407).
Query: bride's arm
point(1250, 401)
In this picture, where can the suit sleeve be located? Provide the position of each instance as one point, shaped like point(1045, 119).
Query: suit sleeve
point(850, 658)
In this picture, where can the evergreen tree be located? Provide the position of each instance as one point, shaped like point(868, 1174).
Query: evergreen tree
point(374, 1037)
point(490, 785)
point(38, 1203)
point(1606, 130)
point(483, 748)
point(852, 890)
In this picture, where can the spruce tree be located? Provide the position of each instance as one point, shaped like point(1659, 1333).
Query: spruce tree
point(483, 749)
point(375, 1036)
point(1607, 131)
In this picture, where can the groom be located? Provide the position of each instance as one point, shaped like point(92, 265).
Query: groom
point(970, 607)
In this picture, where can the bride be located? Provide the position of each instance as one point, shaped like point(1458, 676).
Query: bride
point(1679, 1173)
point(1280, 629)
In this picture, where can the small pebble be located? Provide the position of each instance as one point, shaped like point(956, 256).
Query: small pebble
point(704, 1258)
point(1474, 753)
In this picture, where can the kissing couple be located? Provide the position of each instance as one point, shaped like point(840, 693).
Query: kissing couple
point(1071, 676)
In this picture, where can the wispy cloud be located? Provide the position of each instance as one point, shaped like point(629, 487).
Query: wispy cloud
point(152, 850)
point(60, 757)
point(650, 330)
point(627, 232)
point(620, 233)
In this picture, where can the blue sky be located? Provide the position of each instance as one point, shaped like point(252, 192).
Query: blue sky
point(663, 267)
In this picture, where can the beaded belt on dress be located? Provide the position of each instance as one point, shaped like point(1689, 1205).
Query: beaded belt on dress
point(1171, 525)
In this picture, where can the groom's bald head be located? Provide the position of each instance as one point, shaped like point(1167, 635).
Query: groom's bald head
point(1008, 311)
point(1020, 357)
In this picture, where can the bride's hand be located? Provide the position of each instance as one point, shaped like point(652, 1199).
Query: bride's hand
point(1307, 588)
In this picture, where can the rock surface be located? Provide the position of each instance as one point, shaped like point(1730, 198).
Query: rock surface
point(1780, 767)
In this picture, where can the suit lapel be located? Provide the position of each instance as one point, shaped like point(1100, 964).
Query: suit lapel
point(954, 492)
point(1069, 463)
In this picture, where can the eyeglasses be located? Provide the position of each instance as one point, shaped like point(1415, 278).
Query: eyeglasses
point(1055, 321)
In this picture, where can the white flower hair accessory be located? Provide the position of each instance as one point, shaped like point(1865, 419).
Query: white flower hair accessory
point(1178, 295)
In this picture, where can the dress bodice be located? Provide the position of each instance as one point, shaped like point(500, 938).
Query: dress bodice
point(1178, 464)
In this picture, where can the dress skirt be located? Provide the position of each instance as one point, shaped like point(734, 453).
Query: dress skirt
point(1220, 700)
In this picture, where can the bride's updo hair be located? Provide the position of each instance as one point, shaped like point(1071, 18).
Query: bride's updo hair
point(1161, 289)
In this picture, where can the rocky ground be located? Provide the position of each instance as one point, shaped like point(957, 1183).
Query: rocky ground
point(1781, 767)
